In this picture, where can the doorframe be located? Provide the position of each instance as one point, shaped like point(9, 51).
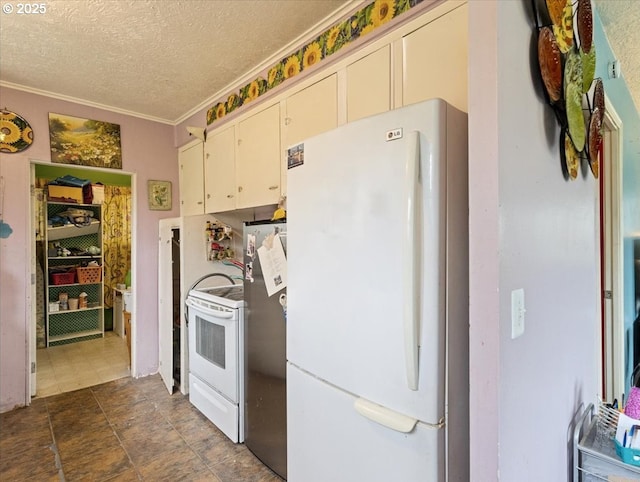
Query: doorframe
point(612, 371)
point(30, 276)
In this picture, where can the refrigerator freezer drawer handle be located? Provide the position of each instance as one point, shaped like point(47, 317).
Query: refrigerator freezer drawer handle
point(384, 416)
point(410, 307)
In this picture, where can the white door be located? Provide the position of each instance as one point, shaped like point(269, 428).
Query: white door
point(220, 171)
point(213, 347)
point(309, 112)
point(191, 161)
point(369, 85)
point(258, 159)
point(345, 261)
point(435, 61)
point(165, 300)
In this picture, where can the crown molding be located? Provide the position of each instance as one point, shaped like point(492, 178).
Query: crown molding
point(76, 100)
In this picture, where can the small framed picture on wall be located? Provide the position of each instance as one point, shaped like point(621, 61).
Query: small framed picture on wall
point(159, 195)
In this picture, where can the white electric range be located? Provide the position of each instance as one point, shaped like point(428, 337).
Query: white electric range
point(216, 356)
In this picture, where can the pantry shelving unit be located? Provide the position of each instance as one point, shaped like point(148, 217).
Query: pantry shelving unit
point(83, 323)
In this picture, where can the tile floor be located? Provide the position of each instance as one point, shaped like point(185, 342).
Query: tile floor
point(78, 365)
point(123, 430)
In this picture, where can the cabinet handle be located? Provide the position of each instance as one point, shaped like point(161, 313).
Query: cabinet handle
point(239, 188)
point(272, 188)
point(208, 196)
point(199, 202)
point(287, 121)
point(229, 196)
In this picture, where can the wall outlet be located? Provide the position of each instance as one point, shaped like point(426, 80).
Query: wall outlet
point(517, 313)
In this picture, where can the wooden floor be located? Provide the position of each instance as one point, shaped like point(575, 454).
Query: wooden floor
point(123, 430)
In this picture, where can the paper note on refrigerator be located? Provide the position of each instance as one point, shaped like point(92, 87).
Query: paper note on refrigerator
point(274, 266)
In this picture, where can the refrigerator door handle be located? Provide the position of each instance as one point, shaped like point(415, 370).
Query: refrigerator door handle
point(384, 416)
point(410, 303)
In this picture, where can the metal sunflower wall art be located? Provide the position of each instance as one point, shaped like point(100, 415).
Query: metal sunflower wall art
point(567, 60)
point(15, 132)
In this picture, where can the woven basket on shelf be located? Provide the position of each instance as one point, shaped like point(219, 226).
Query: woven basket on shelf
point(90, 274)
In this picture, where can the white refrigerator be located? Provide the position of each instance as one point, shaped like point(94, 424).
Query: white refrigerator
point(377, 315)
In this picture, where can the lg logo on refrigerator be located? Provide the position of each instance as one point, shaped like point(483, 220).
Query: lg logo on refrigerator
point(394, 134)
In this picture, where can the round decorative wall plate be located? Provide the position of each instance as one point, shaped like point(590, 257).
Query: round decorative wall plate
point(561, 13)
point(550, 59)
point(567, 67)
point(573, 99)
point(571, 156)
point(15, 132)
point(585, 25)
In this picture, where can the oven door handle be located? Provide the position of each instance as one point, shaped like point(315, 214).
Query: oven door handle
point(215, 313)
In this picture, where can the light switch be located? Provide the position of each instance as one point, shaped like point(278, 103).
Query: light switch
point(517, 313)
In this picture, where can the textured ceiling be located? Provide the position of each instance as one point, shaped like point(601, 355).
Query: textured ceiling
point(159, 59)
point(621, 20)
point(164, 59)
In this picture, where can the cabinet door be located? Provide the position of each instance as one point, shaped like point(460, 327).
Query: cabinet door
point(191, 180)
point(435, 61)
point(258, 159)
point(309, 112)
point(220, 171)
point(369, 85)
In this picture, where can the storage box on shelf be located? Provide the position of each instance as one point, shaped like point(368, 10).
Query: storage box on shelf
point(70, 278)
point(66, 192)
point(98, 193)
point(62, 278)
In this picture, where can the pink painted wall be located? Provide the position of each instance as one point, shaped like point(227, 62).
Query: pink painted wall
point(484, 244)
point(149, 151)
point(530, 229)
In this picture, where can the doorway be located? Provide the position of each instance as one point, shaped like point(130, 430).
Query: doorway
point(613, 378)
point(69, 361)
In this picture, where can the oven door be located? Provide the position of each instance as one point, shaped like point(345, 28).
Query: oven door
point(213, 346)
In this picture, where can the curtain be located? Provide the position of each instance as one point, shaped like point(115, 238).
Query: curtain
point(116, 238)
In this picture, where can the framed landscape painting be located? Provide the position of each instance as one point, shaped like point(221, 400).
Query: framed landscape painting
point(84, 142)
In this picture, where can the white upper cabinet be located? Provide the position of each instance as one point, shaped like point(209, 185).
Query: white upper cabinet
point(243, 164)
point(435, 61)
point(190, 158)
point(369, 85)
point(311, 111)
point(220, 171)
point(258, 159)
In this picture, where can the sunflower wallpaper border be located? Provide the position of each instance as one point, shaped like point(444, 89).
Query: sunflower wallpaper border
point(361, 23)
